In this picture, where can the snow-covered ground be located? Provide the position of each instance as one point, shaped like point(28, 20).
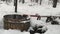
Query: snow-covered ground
point(43, 9)
point(52, 29)
point(25, 8)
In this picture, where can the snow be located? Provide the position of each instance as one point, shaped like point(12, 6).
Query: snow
point(12, 32)
point(37, 22)
point(43, 10)
point(40, 9)
point(52, 29)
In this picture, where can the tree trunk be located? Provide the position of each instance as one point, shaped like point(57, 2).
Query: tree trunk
point(36, 1)
point(6, 1)
point(19, 1)
point(3, 0)
point(15, 4)
point(54, 3)
point(23, 1)
point(40, 2)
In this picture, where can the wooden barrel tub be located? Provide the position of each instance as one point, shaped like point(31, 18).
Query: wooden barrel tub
point(16, 22)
